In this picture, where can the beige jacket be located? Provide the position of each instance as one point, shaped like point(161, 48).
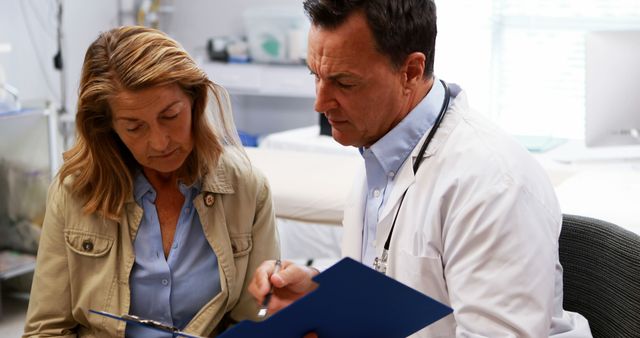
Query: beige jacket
point(84, 261)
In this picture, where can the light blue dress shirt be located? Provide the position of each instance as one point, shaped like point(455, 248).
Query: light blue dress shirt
point(170, 290)
point(385, 157)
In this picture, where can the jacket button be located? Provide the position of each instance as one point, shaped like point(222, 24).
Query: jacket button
point(87, 245)
point(208, 199)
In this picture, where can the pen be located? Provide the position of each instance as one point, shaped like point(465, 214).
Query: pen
point(265, 303)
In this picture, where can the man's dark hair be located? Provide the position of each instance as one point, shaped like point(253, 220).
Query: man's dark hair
point(399, 27)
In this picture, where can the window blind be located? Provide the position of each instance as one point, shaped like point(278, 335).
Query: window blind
point(528, 57)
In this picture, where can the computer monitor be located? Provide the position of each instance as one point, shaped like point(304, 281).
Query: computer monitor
point(612, 88)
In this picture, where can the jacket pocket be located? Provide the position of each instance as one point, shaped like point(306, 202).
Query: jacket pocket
point(87, 243)
point(241, 244)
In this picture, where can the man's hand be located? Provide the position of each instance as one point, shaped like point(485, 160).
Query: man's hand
point(290, 283)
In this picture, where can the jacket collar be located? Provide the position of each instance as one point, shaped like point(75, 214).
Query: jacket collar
point(214, 182)
point(217, 181)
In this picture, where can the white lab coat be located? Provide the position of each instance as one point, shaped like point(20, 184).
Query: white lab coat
point(478, 230)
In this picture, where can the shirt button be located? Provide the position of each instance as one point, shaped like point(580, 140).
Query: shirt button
point(376, 193)
point(165, 282)
point(87, 245)
point(391, 174)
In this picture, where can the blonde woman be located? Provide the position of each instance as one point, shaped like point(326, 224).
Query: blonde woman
point(156, 211)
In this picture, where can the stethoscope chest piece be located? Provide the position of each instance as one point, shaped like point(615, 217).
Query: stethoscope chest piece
point(380, 263)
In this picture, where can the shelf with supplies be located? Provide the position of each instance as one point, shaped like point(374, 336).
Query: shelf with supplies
point(266, 98)
point(29, 158)
point(14, 263)
point(14, 122)
point(268, 80)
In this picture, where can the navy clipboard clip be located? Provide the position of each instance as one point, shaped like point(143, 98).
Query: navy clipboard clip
point(152, 324)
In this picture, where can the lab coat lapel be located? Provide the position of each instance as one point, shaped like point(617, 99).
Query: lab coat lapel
point(405, 178)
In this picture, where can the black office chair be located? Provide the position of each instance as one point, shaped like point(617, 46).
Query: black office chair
point(601, 264)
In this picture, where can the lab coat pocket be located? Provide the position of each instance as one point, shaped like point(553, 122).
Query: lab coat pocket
point(87, 243)
point(425, 274)
point(241, 244)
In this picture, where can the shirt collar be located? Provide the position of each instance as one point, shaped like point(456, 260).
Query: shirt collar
point(216, 181)
point(394, 147)
point(141, 187)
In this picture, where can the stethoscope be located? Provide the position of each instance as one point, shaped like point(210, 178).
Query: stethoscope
point(380, 263)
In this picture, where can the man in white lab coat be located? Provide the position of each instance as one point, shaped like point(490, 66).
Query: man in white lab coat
point(476, 218)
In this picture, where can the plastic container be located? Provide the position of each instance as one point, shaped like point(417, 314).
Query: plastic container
point(276, 34)
point(248, 140)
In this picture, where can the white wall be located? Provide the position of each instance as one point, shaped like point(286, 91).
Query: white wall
point(28, 66)
point(30, 27)
point(83, 21)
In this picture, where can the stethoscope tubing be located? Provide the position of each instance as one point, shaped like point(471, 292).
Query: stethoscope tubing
point(416, 164)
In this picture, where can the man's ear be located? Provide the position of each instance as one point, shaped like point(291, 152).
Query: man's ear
point(413, 69)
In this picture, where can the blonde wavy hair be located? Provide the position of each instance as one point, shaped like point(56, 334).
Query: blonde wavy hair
point(134, 58)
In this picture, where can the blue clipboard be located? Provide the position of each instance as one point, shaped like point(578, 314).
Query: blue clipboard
point(352, 300)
